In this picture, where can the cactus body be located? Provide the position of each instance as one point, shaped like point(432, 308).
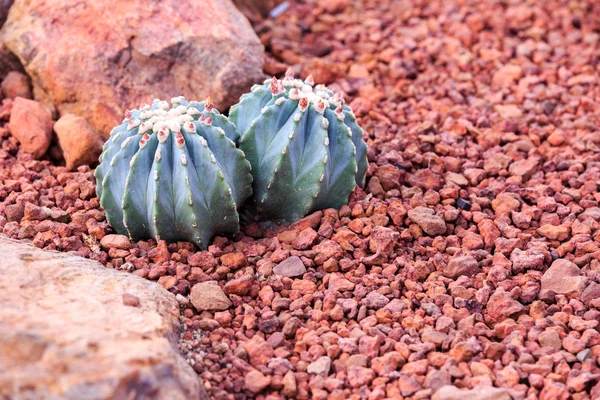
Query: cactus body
point(305, 147)
point(173, 173)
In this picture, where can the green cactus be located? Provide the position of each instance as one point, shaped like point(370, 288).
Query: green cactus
point(173, 173)
point(306, 150)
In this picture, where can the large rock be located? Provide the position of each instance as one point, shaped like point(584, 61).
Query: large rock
point(72, 329)
point(102, 57)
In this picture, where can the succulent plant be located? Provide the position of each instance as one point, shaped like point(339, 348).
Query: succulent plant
point(306, 150)
point(173, 173)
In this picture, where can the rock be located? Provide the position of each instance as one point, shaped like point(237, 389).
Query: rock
point(553, 232)
point(337, 282)
point(501, 306)
point(504, 204)
point(480, 392)
point(16, 84)
point(507, 75)
point(389, 177)
point(383, 240)
point(115, 242)
point(208, 296)
point(289, 384)
point(290, 267)
point(59, 308)
point(524, 168)
point(305, 239)
point(87, 61)
point(549, 338)
point(14, 212)
point(255, 381)
point(426, 218)
point(563, 277)
point(508, 111)
point(234, 260)
point(240, 286)
point(320, 367)
point(80, 143)
point(31, 124)
point(4, 8)
point(461, 266)
point(590, 293)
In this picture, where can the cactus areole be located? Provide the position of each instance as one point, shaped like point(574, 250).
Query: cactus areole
point(173, 172)
point(306, 149)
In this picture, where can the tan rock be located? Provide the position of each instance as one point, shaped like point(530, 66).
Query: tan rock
point(100, 58)
point(563, 277)
point(80, 143)
point(255, 381)
point(507, 75)
point(208, 296)
point(426, 218)
point(16, 84)
point(31, 124)
point(67, 331)
point(554, 232)
point(449, 392)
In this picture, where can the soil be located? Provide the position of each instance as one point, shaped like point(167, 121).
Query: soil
point(482, 120)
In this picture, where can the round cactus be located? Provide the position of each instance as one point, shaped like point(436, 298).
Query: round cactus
point(173, 173)
point(306, 149)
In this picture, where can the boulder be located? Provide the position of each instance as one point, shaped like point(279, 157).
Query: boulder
point(101, 58)
point(79, 142)
point(70, 330)
point(31, 124)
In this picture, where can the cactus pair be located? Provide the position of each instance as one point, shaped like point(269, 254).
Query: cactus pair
point(173, 172)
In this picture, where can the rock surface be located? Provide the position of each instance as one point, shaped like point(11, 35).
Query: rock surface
point(31, 124)
point(100, 58)
point(80, 143)
point(67, 333)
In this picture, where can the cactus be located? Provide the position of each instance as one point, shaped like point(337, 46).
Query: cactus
point(305, 147)
point(173, 173)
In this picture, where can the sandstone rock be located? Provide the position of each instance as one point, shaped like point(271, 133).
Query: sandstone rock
point(16, 84)
point(100, 58)
point(66, 332)
point(524, 168)
point(389, 177)
point(115, 242)
point(80, 143)
point(290, 267)
point(563, 277)
point(449, 392)
point(426, 218)
point(208, 296)
point(31, 124)
point(509, 111)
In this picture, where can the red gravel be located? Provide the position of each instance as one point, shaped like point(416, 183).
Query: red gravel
point(484, 147)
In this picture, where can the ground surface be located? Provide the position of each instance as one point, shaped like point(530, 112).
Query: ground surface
point(486, 113)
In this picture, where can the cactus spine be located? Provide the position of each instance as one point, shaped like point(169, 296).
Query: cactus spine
point(173, 172)
point(305, 147)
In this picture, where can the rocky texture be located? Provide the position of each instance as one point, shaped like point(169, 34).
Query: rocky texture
point(563, 277)
point(478, 393)
point(68, 332)
point(79, 142)
point(374, 298)
point(88, 61)
point(31, 124)
point(16, 84)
